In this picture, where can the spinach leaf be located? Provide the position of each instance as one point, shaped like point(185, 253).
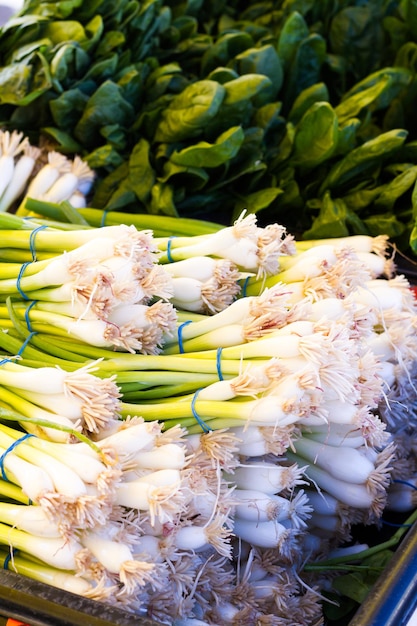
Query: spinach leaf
point(141, 174)
point(293, 32)
point(316, 136)
point(331, 220)
point(204, 154)
point(304, 100)
point(105, 106)
point(367, 156)
point(305, 69)
point(189, 112)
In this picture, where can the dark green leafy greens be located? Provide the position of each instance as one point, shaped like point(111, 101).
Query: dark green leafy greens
point(299, 111)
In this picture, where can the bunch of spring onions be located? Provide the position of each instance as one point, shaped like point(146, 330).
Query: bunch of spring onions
point(276, 409)
point(108, 289)
point(204, 271)
point(24, 174)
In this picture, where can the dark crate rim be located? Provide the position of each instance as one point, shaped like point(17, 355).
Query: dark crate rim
point(40, 604)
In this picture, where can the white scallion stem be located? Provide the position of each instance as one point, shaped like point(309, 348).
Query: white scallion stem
point(43, 380)
point(57, 552)
point(22, 170)
point(268, 534)
point(351, 494)
point(267, 477)
point(48, 174)
point(168, 456)
point(342, 462)
point(256, 506)
point(111, 554)
point(33, 480)
point(30, 518)
point(11, 144)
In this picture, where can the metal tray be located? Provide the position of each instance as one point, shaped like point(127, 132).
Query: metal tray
point(393, 598)
point(39, 604)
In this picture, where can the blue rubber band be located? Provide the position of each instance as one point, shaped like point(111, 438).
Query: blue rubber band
point(28, 323)
point(103, 218)
point(179, 333)
point(25, 343)
point(245, 286)
point(11, 554)
point(19, 278)
point(395, 525)
point(32, 239)
point(169, 255)
point(201, 423)
point(10, 449)
point(32, 248)
point(404, 482)
point(219, 363)
point(5, 360)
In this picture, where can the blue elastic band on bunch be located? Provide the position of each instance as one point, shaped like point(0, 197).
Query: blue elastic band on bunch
point(10, 449)
point(103, 218)
point(28, 323)
point(32, 240)
point(32, 248)
point(168, 251)
point(11, 554)
point(201, 423)
point(26, 341)
point(219, 363)
point(404, 482)
point(179, 333)
point(19, 278)
point(395, 525)
point(245, 286)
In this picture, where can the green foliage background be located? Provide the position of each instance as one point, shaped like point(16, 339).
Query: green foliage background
point(300, 111)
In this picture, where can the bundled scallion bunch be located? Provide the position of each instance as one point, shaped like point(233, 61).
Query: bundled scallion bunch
point(203, 274)
point(277, 430)
point(105, 287)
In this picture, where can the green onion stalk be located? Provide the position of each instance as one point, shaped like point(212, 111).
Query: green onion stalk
point(161, 225)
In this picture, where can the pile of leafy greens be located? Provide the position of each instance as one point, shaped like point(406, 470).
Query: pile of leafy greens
point(300, 111)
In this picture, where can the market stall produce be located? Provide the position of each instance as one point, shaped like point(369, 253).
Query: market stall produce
point(208, 345)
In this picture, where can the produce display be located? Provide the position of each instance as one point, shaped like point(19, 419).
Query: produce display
point(208, 352)
point(193, 441)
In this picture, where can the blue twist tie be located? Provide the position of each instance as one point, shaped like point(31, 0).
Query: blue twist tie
point(5, 360)
point(32, 239)
point(28, 323)
point(19, 278)
point(179, 333)
point(219, 363)
point(10, 449)
point(103, 218)
point(245, 286)
point(169, 255)
point(12, 552)
point(201, 423)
